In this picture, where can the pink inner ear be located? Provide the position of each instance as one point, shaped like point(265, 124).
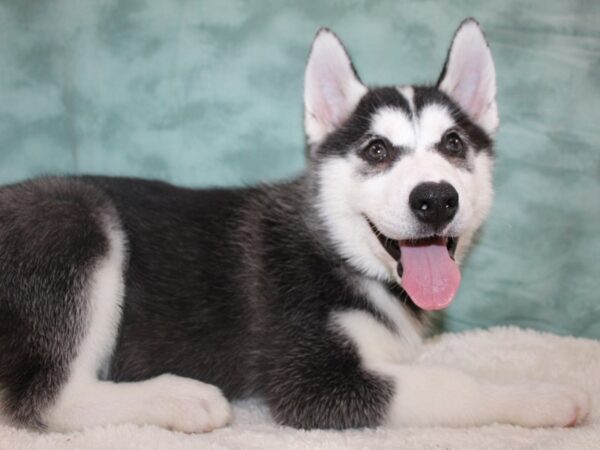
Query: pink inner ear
point(331, 87)
point(329, 99)
point(334, 100)
point(330, 95)
point(468, 94)
point(470, 77)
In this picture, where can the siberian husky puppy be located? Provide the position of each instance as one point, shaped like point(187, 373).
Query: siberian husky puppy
point(129, 300)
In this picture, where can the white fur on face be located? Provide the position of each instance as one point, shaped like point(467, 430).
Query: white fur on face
point(396, 126)
point(347, 195)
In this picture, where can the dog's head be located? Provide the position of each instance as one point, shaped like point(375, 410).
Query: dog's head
point(404, 173)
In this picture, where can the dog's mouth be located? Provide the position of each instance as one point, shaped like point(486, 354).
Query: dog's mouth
point(430, 276)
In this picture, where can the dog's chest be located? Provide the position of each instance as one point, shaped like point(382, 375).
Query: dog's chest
point(377, 342)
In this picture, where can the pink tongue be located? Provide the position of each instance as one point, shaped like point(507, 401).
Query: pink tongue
point(430, 276)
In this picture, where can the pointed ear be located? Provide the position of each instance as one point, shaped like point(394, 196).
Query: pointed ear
point(331, 87)
point(469, 76)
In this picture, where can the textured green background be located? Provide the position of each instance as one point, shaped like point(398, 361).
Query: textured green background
point(205, 93)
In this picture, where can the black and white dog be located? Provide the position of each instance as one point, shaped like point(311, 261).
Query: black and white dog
point(127, 300)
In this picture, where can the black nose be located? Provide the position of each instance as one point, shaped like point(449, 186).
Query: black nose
point(434, 203)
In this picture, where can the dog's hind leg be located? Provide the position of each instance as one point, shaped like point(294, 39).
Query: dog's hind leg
point(62, 260)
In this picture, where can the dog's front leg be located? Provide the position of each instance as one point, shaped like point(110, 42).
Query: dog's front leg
point(434, 395)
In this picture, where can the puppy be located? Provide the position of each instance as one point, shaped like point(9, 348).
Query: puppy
point(129, 300)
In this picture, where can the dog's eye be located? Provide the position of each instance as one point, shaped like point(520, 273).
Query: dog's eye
point(452, 143)
point(376, 151)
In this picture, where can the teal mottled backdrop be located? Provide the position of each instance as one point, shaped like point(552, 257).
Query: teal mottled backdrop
point(209, 93)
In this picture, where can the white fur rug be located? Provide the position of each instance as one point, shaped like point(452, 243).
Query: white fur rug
point(499, 354)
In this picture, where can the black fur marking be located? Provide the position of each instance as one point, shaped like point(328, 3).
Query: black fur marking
point(354, 133)
point(347, 137)
point(477, 138)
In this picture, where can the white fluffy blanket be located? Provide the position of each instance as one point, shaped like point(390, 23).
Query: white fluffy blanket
point(498, 354)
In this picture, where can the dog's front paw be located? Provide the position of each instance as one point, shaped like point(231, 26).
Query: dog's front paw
point(190, 406)
point(550, 405)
